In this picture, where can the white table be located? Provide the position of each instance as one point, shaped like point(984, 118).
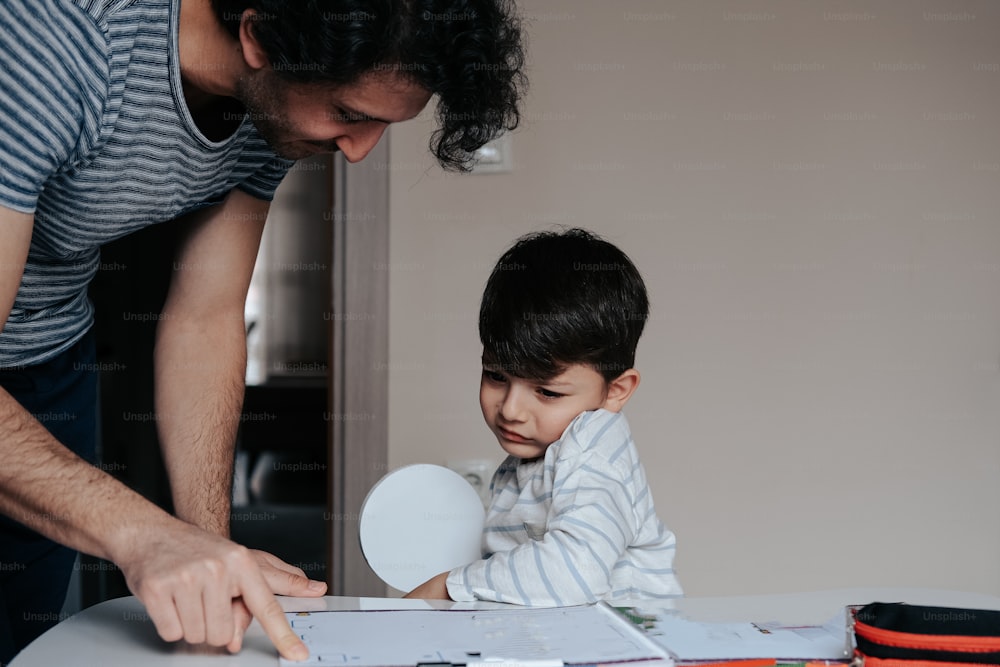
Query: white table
point(118, 633)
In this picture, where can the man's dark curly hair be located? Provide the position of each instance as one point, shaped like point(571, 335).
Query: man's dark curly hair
point(467, 52)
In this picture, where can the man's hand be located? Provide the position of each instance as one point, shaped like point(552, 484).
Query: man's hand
point(435, 588)
point(286, 579)
point(283, 579)
point(204, 589)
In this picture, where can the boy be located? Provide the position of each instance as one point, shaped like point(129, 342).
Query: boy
point(571, 518)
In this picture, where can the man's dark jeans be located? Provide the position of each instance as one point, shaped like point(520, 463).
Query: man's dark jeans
point(35, 571)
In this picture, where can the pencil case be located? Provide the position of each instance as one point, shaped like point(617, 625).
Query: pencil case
point(902, 635)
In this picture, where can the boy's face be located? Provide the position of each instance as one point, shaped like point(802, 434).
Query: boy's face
point(527, 416)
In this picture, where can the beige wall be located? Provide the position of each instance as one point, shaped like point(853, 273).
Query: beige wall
point(811, 190)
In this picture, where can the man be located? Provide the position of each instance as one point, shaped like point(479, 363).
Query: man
point(118, 114)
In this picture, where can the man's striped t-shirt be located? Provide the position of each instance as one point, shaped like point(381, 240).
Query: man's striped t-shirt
point(97, 142)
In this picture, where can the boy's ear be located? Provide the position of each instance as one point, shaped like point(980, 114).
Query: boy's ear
point(621, 389)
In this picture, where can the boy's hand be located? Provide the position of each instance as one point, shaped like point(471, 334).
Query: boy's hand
point(435, 588)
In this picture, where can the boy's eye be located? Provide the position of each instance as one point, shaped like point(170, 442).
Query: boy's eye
point(494, 376)
point(548, 393)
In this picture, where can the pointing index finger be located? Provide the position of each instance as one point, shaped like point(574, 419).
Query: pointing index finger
point(265, 608)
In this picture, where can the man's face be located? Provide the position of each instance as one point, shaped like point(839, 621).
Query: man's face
point(299, 120)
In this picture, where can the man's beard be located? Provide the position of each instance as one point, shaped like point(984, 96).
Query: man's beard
point(265, 100)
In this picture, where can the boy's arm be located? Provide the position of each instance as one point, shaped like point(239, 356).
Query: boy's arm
point(589, 526)
point(571, 564)
point(435, 588)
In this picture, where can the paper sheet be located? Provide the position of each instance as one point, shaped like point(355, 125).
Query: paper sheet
point(575, 635)
point(688, 640)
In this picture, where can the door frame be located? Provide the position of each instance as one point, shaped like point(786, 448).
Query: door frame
point(358, 376)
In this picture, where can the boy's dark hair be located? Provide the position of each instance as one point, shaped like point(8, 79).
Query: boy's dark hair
point(467, 52)
point(561, 298)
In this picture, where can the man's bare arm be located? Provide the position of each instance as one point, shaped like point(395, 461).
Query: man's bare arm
point(170, 565)
point(201, 357)
point(15, 238)
point(201, 368)
point(38, 470)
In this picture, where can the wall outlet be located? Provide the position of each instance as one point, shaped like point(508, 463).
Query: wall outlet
point(493, 157)
point(478, 473)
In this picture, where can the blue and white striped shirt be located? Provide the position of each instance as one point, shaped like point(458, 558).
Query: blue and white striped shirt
point(97, 142)
point(575, 526)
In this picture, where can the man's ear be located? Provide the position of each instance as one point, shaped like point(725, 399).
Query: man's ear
point(621, 389)
point(253, 52)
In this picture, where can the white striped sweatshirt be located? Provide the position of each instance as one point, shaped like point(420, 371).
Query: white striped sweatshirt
point(575, 526)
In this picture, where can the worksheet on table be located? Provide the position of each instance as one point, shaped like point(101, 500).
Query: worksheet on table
point(689, 640)
point(573, 635)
